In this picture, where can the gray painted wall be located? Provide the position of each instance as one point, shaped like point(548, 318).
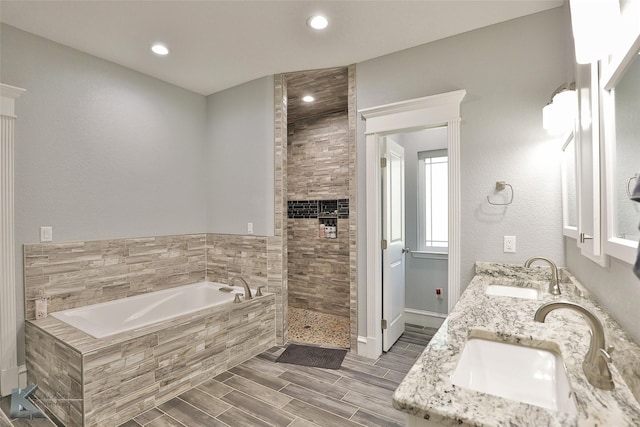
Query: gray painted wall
point(101, 151)
point(240, 163)
point(509, 71)
point(422, 275)
point(615, 287)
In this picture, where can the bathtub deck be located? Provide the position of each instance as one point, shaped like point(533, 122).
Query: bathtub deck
point(260, 392)
point(106, 381)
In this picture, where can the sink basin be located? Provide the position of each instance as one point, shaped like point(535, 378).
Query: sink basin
point(530, 375)
point(512, 291)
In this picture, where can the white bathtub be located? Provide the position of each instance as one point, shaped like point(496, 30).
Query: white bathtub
point(113, 317)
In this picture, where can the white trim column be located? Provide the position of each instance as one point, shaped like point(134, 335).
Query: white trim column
point(8, 319)
point(455, 248)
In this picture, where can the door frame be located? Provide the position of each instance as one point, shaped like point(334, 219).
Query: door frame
point(430, 111)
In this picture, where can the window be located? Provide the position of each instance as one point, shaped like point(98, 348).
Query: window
point(433, 201)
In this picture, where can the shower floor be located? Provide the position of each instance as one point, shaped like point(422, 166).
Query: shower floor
point(313, 327)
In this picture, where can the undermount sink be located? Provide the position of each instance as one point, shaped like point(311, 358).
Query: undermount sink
point(512, 291)
point(525, 374)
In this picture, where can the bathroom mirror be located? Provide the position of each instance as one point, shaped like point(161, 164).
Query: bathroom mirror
point(569, 188)
point(621, 125)
point(627, 160)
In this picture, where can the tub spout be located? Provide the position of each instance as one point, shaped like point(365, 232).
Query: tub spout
point(247, 291)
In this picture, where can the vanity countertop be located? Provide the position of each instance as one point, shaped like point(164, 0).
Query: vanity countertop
point(427, 392)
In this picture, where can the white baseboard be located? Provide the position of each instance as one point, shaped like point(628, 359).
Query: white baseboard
point(8, 380)
point(429, 319)
point(367, 347)
point(22, 376)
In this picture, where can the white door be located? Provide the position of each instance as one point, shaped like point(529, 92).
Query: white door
point(393, 233)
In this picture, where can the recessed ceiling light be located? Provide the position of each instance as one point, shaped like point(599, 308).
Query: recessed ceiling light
point(160, 49)
point(317, 22)
point(308, 98)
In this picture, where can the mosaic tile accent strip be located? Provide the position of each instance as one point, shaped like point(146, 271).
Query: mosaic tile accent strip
point(74, 274)
point(318, 208)
point(343, 208)
point(302, 209)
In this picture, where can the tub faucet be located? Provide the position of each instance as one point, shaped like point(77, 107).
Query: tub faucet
point(247, 291)
point(554, 287)
point(595, 365)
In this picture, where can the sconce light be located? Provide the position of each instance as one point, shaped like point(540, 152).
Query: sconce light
point(559, 114)
point(594, 24)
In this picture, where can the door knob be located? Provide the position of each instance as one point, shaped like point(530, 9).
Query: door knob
point(406, 250)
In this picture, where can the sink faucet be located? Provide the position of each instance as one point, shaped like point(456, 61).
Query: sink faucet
point(554, 287)
point(247, 291)
point(595, 365)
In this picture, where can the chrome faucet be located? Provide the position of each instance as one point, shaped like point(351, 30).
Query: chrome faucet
point(247, 291)
point(595, 365)
point(554, 287)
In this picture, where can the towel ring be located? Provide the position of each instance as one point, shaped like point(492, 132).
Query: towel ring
point(634, 177)
point(501, 185)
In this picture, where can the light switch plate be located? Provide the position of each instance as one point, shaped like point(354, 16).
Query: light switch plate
point(46, 234)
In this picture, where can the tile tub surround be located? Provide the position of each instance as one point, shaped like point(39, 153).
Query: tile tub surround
point(104, 382)
point(427, 392)
point(74, 274)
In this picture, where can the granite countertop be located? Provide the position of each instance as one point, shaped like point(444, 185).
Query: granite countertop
point(427, 392)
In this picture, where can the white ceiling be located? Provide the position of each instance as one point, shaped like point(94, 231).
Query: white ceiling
point(219, 44)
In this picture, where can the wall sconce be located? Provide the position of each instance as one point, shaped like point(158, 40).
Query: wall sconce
point(559, 114)
point(594, 24)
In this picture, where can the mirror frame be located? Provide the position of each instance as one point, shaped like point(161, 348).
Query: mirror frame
point(567, 229)
point(612, 72)
point(589, 175)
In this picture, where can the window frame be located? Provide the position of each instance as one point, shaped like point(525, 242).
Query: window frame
point(422, 199)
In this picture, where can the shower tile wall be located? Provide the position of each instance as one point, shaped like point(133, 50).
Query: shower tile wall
point(318, 169)
point(318, 158)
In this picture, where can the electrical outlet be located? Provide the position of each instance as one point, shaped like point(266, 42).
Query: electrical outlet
point(509, 244)
point(249, 228)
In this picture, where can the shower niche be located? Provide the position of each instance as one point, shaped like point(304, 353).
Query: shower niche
point(327, 213)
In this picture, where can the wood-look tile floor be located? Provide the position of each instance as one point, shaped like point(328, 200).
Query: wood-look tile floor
point(260, 392)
